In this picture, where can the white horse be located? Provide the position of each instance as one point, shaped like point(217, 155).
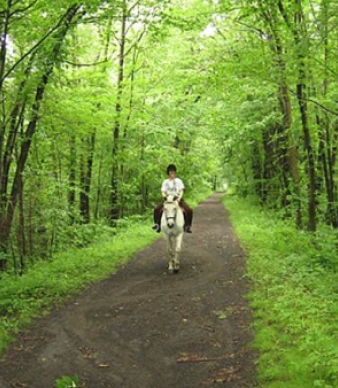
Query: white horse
point(172, 226)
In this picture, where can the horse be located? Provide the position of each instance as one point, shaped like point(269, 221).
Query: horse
point(172, 227)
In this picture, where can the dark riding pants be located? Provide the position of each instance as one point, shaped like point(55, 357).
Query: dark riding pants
point(187, 211)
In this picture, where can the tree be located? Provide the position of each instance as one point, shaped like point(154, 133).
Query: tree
point(45, 62)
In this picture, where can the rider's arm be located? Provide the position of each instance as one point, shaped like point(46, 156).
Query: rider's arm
point(163, 189)
point(180, 190)
point(180, 195)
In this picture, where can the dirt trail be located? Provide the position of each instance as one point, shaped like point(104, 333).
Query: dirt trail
point(145, 328)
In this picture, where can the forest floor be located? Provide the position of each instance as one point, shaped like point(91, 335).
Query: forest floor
point(146, 328)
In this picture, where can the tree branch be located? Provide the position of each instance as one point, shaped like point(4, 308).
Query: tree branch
point(318, 104)
point(88, 64)
point(136, 41)
point(253, 28)
point(20, 10)
point(284, 14)
point(11, 69)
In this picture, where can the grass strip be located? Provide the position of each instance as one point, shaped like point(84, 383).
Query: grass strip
point(294, 297)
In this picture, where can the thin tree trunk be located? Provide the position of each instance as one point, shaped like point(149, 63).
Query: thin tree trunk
point(16, 118)
point(72, 175)
point(98, 193)
point(21, 231)
point(303, 108)
point(311, 168)
point(86, 178)
point(143, 184)
point(325, 136)
point(114, 210)
point(3, 45)
point(127, 122)
point(3, 57)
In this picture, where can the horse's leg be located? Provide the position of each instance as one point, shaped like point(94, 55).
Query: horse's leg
point(178, 249)
point(170, 254)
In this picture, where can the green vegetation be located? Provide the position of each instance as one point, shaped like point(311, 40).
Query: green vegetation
point(294, 298)
point(67, 382)
point(97, 97)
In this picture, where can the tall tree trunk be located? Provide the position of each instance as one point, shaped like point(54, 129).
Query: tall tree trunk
point(301, 42)
point(21, 231)
point(325, 136)
point(16, 118)
point(291, 150)
point(7, 219)
point(287, 149)
point(3, 43)
point(114, 209)
point(127, 121)
point(3, 57)
point(311, 167)
point(268, 163)
point(99, 189)
point(143, 188)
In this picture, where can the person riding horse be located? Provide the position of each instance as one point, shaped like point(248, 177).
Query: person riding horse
point(174, 186)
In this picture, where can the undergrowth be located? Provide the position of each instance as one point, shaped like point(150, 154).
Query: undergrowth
point(294, 298)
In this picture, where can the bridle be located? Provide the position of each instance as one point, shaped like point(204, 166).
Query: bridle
point(170, 217)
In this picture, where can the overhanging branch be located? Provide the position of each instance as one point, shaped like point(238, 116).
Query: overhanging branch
point(318, 104)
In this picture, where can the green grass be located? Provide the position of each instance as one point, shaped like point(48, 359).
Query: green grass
point(294, 298)
point(50, 282)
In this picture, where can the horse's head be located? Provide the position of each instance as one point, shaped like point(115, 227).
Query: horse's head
point(170, 209)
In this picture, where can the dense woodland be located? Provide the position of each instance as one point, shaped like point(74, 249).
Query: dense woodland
point(97, 97)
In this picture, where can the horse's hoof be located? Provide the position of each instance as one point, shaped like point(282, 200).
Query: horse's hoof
point(176, 270)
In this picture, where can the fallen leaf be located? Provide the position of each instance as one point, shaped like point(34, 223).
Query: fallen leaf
point(103, 365)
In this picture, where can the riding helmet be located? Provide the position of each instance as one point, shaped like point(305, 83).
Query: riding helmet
point(171, 167)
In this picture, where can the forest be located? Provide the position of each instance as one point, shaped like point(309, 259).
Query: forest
point(97, 97)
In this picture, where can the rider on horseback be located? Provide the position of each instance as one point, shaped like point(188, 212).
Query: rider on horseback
point(174, 186)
